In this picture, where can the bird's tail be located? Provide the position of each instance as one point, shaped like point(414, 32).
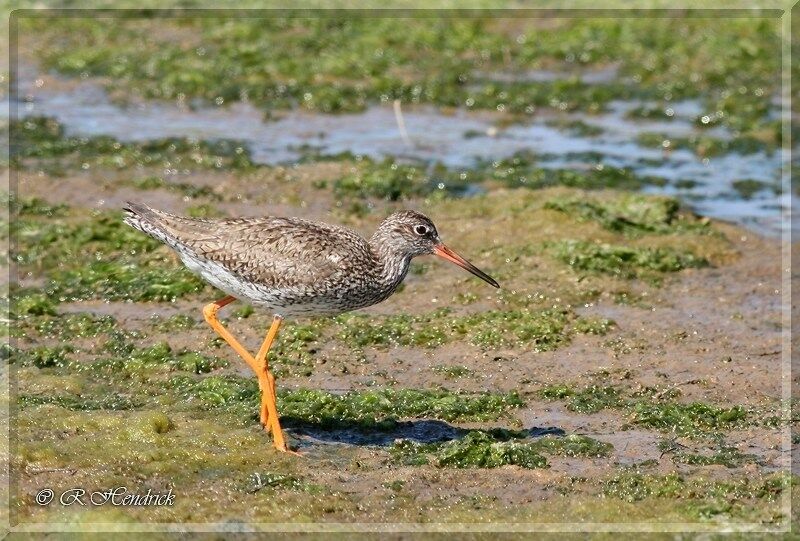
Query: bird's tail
point(146, 220)
point(136, 214)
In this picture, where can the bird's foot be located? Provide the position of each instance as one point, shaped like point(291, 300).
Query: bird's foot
point(285, 449)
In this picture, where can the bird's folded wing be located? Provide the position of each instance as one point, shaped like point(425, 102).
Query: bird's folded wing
point(278, 252)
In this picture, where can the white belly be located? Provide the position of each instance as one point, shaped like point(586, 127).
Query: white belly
point(277, 301)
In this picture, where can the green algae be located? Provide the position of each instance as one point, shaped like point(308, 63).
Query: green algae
point(128, 360)
point(541, 330)
point(26, 302)
point(594, 325)
point(191, 361)
point(178, 322)
point(120, 342)
point(43, 141)
point(623, 261)
point(452, 372)
point(626, 297)
point(686, 419)
point(189, 190)
point(274, 480)
point(386, 180)
point(234, 403)
point(631, 214)
point(704, 145)
point(35, 206)
point(685, 184)
point(333, 64)
point(397, 330)
point(521, 170)
point(634, 486)
point(591, 399)
point(393, 180)
point(694, 419)
point(556, 392)
point(75, 325)
point(204, 459)
point(396, 485)
point(724, 455)
point(216, 391)
point(110, 400)
point(96, 257)
point(748, 188)
point(649, 112)
point(46, 243)
point(382, 408)
point(42, 356)
point(296, 347)
point(155, 358)
point(161, 423)
point(243, 312)
point(576, 127)
point(495, 448)
point(475, 450)
point(373, 409)
point(204, 210)
point(573, 445)
point(113, 280)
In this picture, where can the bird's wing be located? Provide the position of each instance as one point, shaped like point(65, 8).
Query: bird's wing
point(276, 252)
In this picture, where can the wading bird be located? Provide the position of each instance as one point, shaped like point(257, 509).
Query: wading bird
point(293, 267)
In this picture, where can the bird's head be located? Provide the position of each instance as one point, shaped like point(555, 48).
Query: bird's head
point(412, 234)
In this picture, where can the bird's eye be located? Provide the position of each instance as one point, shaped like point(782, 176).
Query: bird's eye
point(420, 230)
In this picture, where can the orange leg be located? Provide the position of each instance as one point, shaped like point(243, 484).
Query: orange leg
point(269, 408)
point(266, 381)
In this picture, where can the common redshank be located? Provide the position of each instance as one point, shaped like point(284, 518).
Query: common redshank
point(293, 267)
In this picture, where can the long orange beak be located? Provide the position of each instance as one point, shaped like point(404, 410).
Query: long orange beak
point(446, 253)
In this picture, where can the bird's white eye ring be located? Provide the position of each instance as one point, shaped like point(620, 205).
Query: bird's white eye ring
point(420, 230)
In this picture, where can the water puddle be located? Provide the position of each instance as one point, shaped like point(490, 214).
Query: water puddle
point(457, 140)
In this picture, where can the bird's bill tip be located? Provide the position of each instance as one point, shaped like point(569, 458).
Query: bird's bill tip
point(446, 253)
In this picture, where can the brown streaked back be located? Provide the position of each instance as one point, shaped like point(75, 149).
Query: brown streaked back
point(270, 251)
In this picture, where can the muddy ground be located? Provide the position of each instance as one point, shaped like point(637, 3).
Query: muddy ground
point(627, 371)
point(709, 335)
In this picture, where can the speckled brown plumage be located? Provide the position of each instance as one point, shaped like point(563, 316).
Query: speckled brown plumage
point(294, 266)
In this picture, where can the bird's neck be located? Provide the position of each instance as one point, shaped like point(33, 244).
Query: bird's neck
point(393, 263)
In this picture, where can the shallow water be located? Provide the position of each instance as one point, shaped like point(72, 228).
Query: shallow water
point(456, 140)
